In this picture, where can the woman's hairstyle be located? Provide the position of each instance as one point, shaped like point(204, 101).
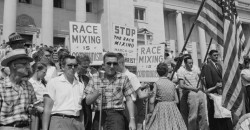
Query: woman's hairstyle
point(162, 69)
point(38, 66)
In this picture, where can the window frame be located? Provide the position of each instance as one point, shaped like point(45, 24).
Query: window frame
point(91, 7)
point(144, 15)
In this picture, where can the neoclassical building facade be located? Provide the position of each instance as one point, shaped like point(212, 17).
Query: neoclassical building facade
point(157, 21)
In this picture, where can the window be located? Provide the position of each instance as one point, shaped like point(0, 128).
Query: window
point(25, 1)
point(88, 7)
point(140, 14)
point(58, 3)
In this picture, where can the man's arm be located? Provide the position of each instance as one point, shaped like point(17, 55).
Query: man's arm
point(184, 86)
point(152, 100)
point(91, 97)
point(91, 92)
point(130, 106)
point(48, 105)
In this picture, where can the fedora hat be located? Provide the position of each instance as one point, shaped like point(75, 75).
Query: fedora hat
point(14, 37)
point(14, 55)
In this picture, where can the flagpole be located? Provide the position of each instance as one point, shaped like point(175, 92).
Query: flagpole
point(204, 61)
point(189, 34)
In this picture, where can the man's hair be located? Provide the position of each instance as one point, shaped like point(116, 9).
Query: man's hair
point(83, 58)
point(162, 69)
point(212, 52)
point(109, 54)
point(67, 57)
point(186, 59)
point(120, 57)
point(246, 60)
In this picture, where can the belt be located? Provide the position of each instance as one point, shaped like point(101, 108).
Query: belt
point(17, 124)
point(65, 116)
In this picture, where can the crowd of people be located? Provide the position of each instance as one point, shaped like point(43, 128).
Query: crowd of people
point(47, 88)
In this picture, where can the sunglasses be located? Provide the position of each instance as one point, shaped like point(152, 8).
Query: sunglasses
point(114, 63)
point(72, 65)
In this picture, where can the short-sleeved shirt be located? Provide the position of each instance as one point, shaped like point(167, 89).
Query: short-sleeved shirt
point(114, 92)
point(67, 97)
point(190, 77)
point(14, 101)
point(135, 82)
point(39, 89)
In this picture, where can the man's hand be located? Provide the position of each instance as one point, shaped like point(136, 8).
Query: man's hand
point(132, 125)
point(219, 85)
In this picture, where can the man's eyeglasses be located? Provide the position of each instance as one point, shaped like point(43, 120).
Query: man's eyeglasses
point(114, 63)
point(72, 65)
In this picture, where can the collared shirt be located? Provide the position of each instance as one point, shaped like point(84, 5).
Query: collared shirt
point(114, 91)
point(51, 73)
point(190, 77)
point(39, 89)
point(135, 82)
point(67, 97)
point(14, 101)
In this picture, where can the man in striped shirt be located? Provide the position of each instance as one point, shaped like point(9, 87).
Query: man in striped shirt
point(188, 78)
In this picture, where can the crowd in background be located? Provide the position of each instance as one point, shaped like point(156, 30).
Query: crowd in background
point(47, 88)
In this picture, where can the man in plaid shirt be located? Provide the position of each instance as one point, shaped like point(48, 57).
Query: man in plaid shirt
point(117, 86)
point(16, 94)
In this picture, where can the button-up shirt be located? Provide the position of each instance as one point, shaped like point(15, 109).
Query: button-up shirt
point(67, 97)
point(114, 92)
point(14, 101)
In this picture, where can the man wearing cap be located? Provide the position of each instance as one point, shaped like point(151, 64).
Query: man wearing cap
point(16, 93)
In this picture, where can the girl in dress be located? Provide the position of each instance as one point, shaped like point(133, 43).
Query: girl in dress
point(165, 114)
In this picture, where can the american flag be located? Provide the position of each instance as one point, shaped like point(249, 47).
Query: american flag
point(220, 20)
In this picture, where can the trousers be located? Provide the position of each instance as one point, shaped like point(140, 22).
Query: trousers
point(64, 123)
point(197, 117)
point(111, 120)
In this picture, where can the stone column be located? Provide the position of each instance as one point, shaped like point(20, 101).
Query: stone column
point(203, 43)
point(179, 26)
point(47, 22)
point(81, 10)
point(9, 18)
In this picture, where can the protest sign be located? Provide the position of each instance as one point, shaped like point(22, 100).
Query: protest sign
point(86, 39)
point(149, 56)
point(124, 40)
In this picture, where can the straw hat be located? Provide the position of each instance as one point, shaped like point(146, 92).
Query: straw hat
point(14, 55)
point(14, 37)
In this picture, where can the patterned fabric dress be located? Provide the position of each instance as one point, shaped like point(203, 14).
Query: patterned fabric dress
point(166, 115)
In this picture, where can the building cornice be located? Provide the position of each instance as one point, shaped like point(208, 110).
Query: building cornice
point(192, 6)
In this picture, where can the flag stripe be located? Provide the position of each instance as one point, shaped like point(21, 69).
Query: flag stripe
point(220, 20)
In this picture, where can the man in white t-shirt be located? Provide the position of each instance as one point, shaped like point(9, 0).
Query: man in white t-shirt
point(137, 86)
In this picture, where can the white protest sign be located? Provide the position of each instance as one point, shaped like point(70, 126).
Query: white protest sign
point(124, 40)
point(149, 56)
point(86, 39)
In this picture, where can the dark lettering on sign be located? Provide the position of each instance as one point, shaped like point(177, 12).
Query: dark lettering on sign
point(86, 39)
point(150, 59)
point(125, 31)
point(94, 56)
point(85, 29)
point(124, 44)
point(130, 60)
point(151, 50)
point(147, 73)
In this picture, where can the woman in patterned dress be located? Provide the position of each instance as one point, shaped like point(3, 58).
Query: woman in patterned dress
point(165, 114)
